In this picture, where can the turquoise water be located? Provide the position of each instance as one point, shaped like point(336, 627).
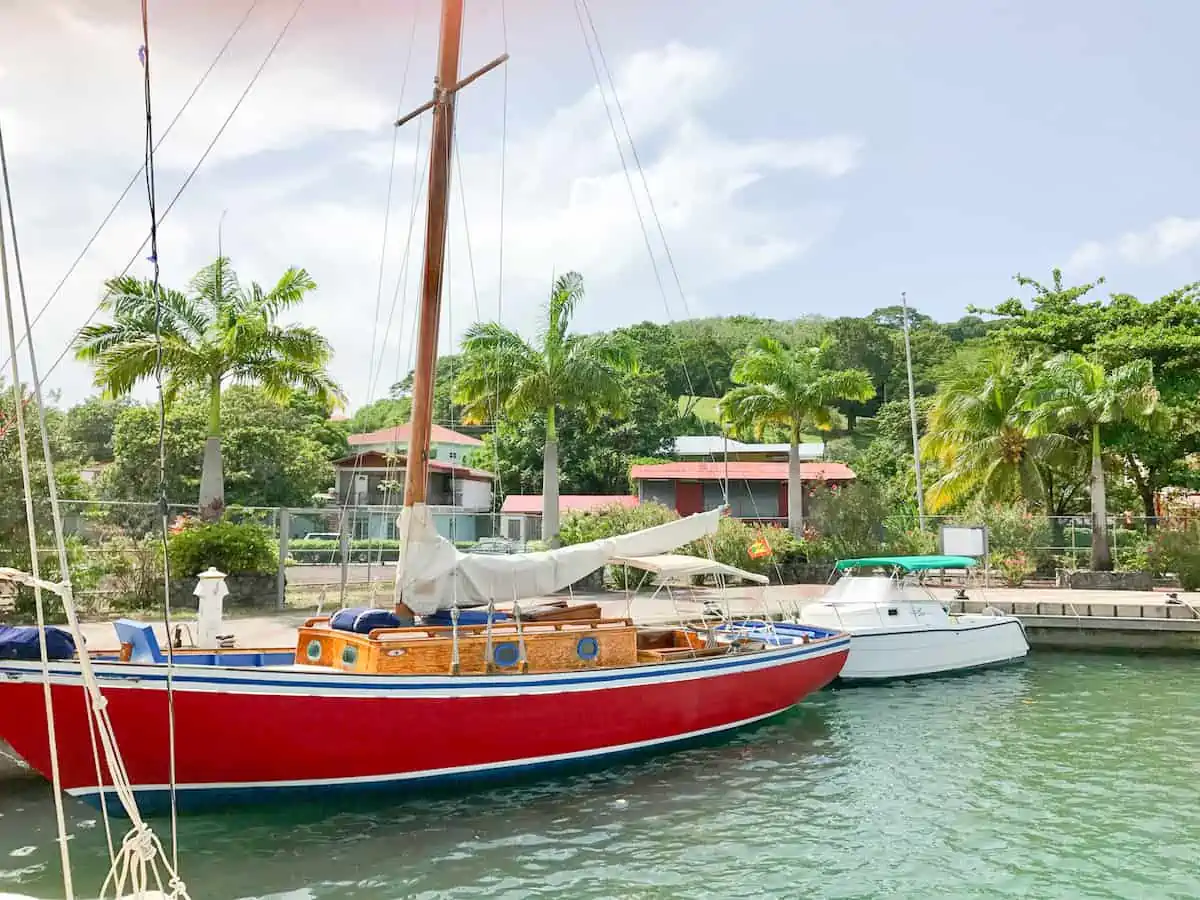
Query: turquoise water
point(1073, 776)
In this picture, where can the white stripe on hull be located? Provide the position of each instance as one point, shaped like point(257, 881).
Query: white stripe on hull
point(221, 679)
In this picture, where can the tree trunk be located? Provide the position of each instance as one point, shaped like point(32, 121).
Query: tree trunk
point(550, 483)
point(1101, 552)
point(1146, 490)
point(212, 474)
point(795, 506)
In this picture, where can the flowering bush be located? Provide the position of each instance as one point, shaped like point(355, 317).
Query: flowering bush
point(1016, 568)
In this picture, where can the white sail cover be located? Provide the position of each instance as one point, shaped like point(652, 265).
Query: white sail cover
point(433, 574)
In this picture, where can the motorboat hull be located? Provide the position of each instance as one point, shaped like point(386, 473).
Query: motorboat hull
point(242, 733)
point(884, 655)
point(965, 643)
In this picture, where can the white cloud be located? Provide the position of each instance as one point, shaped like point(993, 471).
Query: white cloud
point(1165, 239)
point(301, 176)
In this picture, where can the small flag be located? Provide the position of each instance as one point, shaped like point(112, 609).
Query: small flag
point(142, 54)
point(759, 549)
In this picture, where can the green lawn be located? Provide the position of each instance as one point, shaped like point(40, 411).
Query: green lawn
point(705, 408)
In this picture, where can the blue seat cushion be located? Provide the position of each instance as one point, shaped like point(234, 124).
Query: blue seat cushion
point(363, 620)
point(23, 642)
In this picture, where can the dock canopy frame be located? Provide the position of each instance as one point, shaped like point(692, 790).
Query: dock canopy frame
point(907, 563)
point(672, 565)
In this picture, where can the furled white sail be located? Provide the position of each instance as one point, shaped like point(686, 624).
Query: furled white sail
point(433, 574)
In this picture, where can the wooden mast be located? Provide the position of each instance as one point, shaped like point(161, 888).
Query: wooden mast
point(416, 475)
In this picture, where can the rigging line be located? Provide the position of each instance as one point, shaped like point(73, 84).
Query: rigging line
point(581, 6)
point(497, 485)
point(31, 526)
point(138, 174)
point(163, 509)
point(372, 373)
point(51, 479)
point(187, 181)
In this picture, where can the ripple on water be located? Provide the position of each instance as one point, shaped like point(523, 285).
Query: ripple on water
point(1073, 776)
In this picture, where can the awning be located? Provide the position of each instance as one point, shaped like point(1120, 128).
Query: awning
point(673, 565)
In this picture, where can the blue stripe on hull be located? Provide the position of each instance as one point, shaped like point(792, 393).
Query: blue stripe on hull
point(157, 801)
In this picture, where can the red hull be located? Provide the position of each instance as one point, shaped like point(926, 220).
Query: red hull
point(253, 735)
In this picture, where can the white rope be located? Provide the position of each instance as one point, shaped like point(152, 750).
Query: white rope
point(35, 581)
point(141, 852)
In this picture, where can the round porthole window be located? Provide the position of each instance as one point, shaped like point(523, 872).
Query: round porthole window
point(313, 650)
point(588, 648)
point(349, 654)
point(506, 655)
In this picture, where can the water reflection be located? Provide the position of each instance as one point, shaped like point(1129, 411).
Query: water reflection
point(1039, 780)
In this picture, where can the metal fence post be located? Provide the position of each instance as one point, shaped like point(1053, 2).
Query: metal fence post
point(285, 529)
point(344, 546)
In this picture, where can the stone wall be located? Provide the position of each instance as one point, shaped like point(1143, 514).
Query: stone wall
point(245, 592)
point(1105, 581)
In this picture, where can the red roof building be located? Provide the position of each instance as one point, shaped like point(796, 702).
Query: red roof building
point(756, 490)
point(400, 435)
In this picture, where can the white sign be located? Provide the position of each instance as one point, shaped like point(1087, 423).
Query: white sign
point(964, 540)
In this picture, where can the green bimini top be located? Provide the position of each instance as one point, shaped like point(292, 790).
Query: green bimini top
point(907, 563)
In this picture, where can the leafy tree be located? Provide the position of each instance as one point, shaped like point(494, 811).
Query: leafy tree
point(1060, 319)
point(866, 345)
point(1076, 392)
point(217, 333)
point(275, 455)
point(503, 371)
point(386, 412)
point(87, 429)
point(982, 433)
point(445, 410)
point(777, 386)
point(596, 455)
point(14, 531)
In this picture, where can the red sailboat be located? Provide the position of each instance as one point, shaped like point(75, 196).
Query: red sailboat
point(353, 706)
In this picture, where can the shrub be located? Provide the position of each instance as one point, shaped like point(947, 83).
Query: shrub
point(1016, 568)
point(1012, 529)
point(846, 521)
point(235, 549)
point(733, 540)
point(610, 521)
point(1176, 549)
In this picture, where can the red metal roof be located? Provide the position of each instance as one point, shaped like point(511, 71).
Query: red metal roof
point(739, 471)
point(373, 459)
point(525, 504)
point(400, 434)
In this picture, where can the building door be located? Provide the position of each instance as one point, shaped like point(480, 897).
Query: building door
point(689, 497)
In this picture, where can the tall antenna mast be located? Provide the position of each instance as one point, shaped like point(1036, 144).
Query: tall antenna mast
point(912, 414)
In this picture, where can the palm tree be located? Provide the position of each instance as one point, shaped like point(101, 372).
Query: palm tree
point(776, 386)
point(502, 372)
point(980, 432)
point(216, 333)
point(1074, 392)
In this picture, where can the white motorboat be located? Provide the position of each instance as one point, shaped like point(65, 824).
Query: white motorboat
point(900, 630)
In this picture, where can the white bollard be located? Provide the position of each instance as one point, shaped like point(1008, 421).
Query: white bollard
point(211, 591)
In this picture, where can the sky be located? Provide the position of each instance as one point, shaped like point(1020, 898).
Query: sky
point(801, 157)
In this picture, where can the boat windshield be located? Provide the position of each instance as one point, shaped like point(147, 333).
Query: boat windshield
point(862, 589)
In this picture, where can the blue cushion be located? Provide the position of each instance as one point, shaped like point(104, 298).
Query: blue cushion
point(22, 642)
point(362, 620)
point(465, 617)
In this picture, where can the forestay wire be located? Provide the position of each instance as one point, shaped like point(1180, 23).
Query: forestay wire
point(163, 511)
